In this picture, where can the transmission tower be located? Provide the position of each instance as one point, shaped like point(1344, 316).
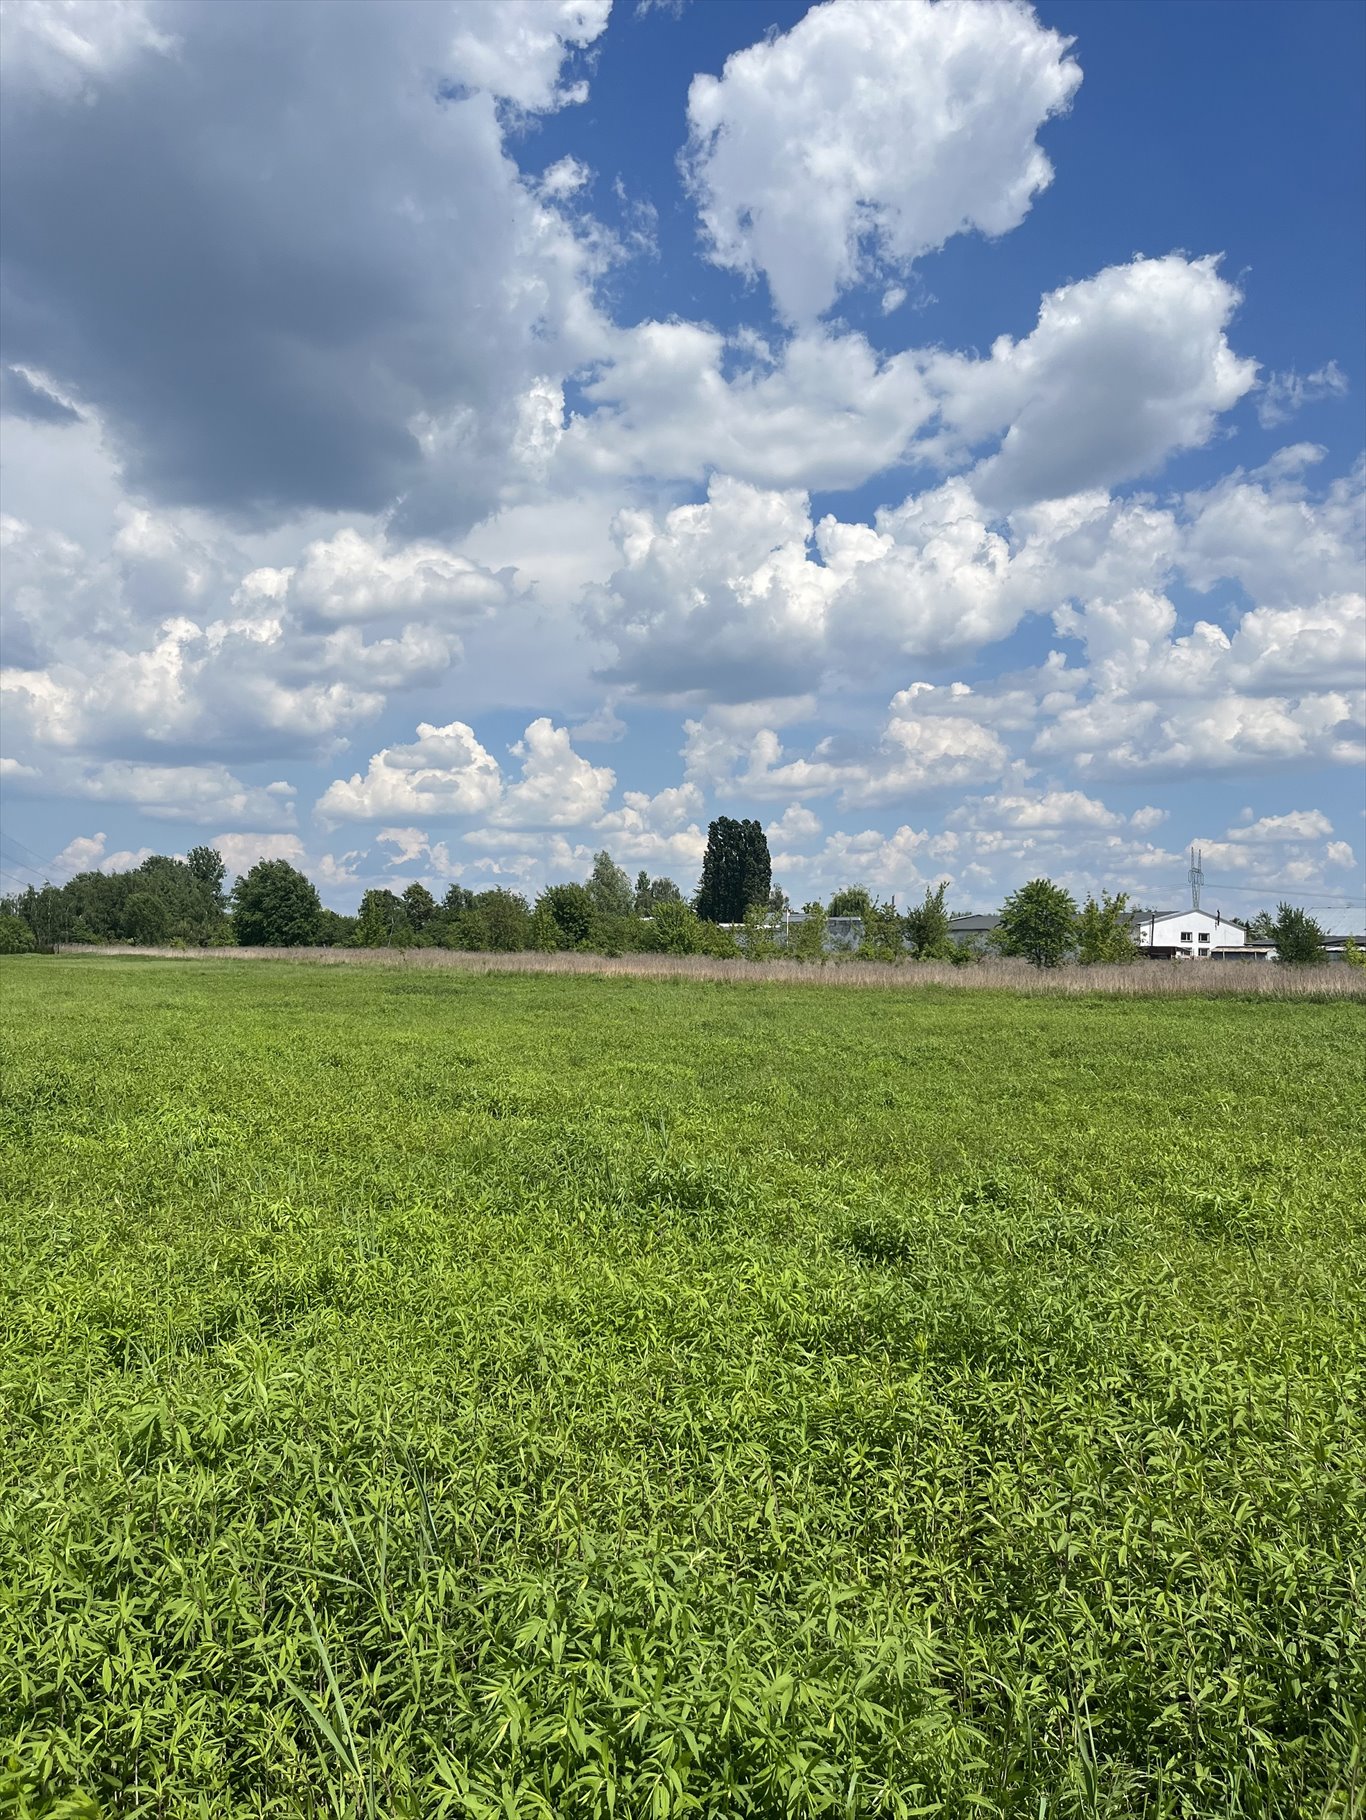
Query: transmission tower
point(1197, 878)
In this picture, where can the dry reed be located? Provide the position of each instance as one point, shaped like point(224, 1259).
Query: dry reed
point(1142, 979)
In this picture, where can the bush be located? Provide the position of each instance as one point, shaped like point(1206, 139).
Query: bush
point(15, 936)
point(761, 943)
point(675, 928)
point(616, 934)
point(1103, 931)
point(806, 940)
point(569, 909)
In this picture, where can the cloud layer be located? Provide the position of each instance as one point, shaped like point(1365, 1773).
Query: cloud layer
point(375, 469)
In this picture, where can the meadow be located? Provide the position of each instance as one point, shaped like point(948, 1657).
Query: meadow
point(435, 1392)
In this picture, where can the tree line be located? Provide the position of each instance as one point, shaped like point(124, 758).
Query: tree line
point(736, 909)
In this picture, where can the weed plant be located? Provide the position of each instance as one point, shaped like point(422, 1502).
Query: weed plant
point(434, 1393)
point(1139, 979)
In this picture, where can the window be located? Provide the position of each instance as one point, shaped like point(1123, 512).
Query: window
point(1186, 936)
point(1204, 935)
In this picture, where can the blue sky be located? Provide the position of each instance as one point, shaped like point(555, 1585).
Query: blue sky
point(442, 441)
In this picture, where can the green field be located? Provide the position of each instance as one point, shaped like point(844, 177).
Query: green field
point(428, 1394)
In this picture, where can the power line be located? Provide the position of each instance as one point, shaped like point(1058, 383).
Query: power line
point(1271, 885)
point(14, 841)
point(25, 884)
point(39, 869)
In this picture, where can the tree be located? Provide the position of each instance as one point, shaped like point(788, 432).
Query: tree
point(338, 931)
point(1039, 923)
point(927, 926)
point(1104, 933)
point(570, 910)
point(507, 919)
point(457, 900)
point(760, 939)
point(1352, 954)
point(778, 901)
point(275, 906)
point(853, 900)
point(208, 871)
point(736, 871)
point(676, 929)
point(145, 919)
point(15, 936)
point(651, 893)
point(1262, 928)
point(1298, 938)
point(609, 887)
point(419, 906)
point(383, 921)
point(806, 939)
point(883, 938)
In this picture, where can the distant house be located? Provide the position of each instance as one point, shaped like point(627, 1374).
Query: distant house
point(842, 933)
point(1335, 946)
point(1195, 935)
point(972, 930)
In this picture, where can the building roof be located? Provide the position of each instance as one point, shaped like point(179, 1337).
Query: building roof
point(973, 925)
point(1138, 917)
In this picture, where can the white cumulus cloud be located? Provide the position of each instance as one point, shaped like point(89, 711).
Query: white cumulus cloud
point(870, 134)
point(444, 772)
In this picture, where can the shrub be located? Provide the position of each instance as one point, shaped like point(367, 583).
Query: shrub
point(570, 910)
point(15, 936)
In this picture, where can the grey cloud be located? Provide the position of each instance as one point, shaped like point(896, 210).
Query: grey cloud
point(286, 273)
point(21, 397)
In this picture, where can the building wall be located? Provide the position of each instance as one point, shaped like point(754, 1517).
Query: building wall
point(1191, 932)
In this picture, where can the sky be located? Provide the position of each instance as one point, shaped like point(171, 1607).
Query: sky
point(440, 441)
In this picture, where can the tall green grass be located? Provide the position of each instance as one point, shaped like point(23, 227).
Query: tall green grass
point(430, 1394)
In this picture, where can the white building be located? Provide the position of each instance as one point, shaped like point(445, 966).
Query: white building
point(1195, 934)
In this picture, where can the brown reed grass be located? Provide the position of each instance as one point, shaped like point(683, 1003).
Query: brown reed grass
point(1141, 979)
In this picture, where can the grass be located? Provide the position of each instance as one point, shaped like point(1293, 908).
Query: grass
point(429, 1393)
point(1142, 979)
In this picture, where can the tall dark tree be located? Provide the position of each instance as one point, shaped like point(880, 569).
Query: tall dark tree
point(275, 906)
point(736, 870)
